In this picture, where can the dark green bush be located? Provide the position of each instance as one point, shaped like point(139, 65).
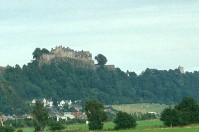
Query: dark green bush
point(75, 121)
point(56, 126)
point(20, 123)
point(19, 130)
point(124, 120)
point(6, 129)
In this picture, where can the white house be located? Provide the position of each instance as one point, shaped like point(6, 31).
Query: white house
point(65, 116)
point(45, 102)
point(70, 103)
point(33, 101)
point(51, 103)
point(62, 103)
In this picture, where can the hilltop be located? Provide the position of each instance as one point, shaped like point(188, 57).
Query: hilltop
point(63, 73)
point(80, 58)
point(61, 54)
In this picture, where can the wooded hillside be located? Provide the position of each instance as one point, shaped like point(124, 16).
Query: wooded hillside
point(65, 81)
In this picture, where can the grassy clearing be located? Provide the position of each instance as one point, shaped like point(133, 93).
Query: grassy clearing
point(162, 130)
point(78, 127)
point(149, 124)
point(29, 129)
point(142, 126)
point(141, 107)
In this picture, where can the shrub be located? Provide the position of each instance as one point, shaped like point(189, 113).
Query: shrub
point(75, 121)
point(124, 120)
point(19, 130)
point(6, 129)
point(19, 123)
point(56, 126)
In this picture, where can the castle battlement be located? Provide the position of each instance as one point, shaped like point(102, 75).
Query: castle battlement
point(60, 52)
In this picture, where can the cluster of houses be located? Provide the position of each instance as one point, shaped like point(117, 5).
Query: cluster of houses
point(53, 111)
point(57, 112)
point(63, 115)
point(12, 117)
point(49, 103)
point(71, 115)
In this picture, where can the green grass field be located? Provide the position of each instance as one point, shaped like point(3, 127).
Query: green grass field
point(142, 126)
point(141, 107)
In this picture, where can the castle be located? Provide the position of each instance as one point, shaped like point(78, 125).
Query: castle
point(77, 58)
point(62, 53)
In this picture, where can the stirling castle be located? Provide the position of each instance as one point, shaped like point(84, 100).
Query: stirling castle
point(77, 58)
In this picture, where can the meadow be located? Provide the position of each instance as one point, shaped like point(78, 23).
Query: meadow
point(142, 126)
point(140, 107)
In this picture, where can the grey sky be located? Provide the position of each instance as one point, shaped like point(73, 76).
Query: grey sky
point(132, 34)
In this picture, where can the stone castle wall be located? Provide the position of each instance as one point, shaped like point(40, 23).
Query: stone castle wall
point(62, 53)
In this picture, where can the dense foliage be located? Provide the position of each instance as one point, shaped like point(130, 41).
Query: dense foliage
point(6, 129)
point(62, 80)
point(186, 112)
point(19, 123)
point(101, 59)
point(39, 52)
point(40, 116)
point(124, 120)
point(56, 126)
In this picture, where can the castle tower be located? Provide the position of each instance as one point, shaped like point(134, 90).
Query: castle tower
point(181, 69)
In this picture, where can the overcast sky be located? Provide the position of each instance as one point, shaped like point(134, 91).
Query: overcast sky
point(132, 34)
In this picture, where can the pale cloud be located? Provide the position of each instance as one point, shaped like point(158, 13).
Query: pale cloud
point(133, 35)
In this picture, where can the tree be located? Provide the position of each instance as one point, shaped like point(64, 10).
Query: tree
point(40, 116)
point(124, 120)
point(190, 106)
point(38, 53)
point(186, 112)
point(96, 115)
point(101, 59)
point(44, 51)
point(170, 116)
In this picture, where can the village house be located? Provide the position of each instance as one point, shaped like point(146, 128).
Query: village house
point(65, 116)
point(1, 120)
point(47, 103)
point(79, 115)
